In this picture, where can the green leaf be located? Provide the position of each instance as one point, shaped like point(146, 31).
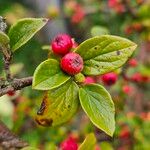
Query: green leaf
point(89, 143)
point(59, 105)
point(106, 146)
point(4, 40)
point(16, 68)
point(143, 11)
point(99, 107)
point(23, 30)
point(99, 30)
point(29, 148)
point(48, 75)
point(104, 53)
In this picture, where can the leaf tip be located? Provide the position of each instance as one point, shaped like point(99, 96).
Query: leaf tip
point(45, 20)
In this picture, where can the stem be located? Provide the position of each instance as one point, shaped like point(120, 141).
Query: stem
point(16, 84)
point(9, 140)
point(7, 56)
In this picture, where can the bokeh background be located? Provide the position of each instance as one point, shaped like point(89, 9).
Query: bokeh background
point(83, 19)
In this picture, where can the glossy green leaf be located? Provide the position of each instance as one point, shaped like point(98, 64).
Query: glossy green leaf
point(48, 75)
point(104, 53)
point(99, 107)
point(89, 143)
point(23, 30)
point(59, 105)
point(4, 40)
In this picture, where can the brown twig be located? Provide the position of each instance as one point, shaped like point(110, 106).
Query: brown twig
point(8, 140)
point(7, 57)
point(10, 84)
point(16, 84)
point(7, 54)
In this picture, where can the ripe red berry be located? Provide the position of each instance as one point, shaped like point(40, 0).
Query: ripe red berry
point(109, 78)
point(89, 80)
point(69, 144)
point(62, 44)
point(72, 63)
point(11, 93)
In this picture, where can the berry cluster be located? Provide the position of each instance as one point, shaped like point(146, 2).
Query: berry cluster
point(71, 62)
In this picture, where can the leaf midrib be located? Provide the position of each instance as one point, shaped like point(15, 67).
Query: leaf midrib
point(109, 52)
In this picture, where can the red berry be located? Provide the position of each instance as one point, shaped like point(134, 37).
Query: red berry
point(78, 15)
point(62, 44)
point(137, 26)
point(109, 78)
point(89, 80)
point(127, 89)
point(72, 63)
point(69, 144)
point(133, 62)
point(125, 132)
point(11, 93)
point(116, 5)
point(128, 30)
point(112, 3)
point(97, 147)
point(137, 77)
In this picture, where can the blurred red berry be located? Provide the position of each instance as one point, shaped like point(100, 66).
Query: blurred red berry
point(116, 5)
point(120, 8)
point(112, 3)
point(137, 26)
point(89, 80)
point(97, 147)
point(125, 132)
point(145, 78)
point(11, 93)
point(128, 30)
point(136, 77)
point(78, 15)
point(62, 44)
point(127, 89)
point(109, 78)
point(133, 62)
point(72, 63)
point(69, 144)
